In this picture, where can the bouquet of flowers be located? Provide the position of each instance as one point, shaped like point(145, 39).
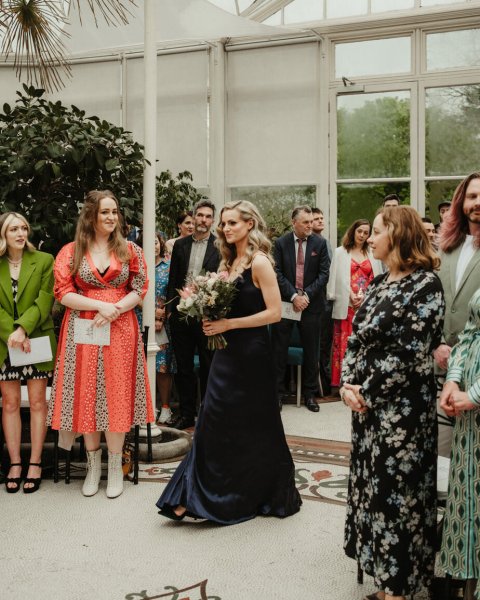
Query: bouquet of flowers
point(208, 296)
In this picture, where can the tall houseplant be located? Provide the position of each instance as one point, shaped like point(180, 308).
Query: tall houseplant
point(50, 155)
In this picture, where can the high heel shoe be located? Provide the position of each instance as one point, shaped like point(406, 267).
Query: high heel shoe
point(35, 481)
point(167, 511)
point(15, 480)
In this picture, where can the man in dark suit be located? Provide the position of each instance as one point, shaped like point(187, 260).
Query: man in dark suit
point(191, 255)
point(302, 265)
point(326, 321)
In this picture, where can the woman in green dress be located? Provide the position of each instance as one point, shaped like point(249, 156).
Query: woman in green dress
point(460, 553)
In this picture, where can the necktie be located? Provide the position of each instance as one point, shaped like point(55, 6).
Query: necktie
point(300, 266)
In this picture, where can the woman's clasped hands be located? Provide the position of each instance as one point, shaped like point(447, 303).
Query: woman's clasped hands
point(107, 313)
point(352, 397)
point(453, 401)
point(19, 339)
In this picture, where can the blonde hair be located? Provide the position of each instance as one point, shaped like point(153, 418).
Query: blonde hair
point(410, 247)
point(5, 221)
point(85, 232)
point(257, 237)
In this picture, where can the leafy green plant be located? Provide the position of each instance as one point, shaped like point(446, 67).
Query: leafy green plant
point(51, 155)
point(174, 196)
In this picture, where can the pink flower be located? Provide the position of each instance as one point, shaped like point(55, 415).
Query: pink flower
point(185, 293)
point(223, 275)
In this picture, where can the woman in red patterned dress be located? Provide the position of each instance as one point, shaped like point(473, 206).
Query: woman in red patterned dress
point(353, 268)
point(100, 277)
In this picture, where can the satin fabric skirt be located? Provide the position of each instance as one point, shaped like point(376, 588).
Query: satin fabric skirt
point(239, 465)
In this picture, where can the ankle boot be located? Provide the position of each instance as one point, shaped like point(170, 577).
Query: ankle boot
point(94, 472)
point(115, 475)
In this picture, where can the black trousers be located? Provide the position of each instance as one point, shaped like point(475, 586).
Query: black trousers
point(188, 338)
point(308, 326)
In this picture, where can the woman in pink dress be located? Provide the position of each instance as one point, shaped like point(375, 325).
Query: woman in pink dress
point(100, 277)
point(353, 268)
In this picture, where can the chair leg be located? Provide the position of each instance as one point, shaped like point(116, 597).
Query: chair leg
point(359, 574)
point(448, 585)
point(68, 457)
point(299, 385)
point(136, 447)
point(149, 443)
point(55, 456)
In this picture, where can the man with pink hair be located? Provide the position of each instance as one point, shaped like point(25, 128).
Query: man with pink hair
point(460, 273)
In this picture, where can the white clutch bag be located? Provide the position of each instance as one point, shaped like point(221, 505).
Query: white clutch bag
point(41, 351)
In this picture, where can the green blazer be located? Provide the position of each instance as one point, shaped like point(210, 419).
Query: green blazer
point(456, 300)
point(34, 301)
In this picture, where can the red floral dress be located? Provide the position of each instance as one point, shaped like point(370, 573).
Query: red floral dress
point(361, 274)
point(100, 388)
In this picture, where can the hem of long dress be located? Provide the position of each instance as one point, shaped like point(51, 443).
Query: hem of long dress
point(424, 584)
point(165, 510)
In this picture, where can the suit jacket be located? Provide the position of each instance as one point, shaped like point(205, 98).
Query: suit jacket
point(456, 301)
point(179, 266)
point(315, 273)
point(34, 301)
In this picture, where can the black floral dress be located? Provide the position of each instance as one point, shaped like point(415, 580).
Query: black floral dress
point(391, 510)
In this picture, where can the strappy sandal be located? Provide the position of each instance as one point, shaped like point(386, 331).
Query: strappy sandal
point(36, 481)
point(15, 480)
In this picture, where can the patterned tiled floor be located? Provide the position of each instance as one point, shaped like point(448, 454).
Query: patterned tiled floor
point(321, 468)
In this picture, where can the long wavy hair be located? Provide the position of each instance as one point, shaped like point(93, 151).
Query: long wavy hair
point(454, 227)
point(348, 240)
point(257, 236)
point(410, 247)
point(85, 233)
point(5, 221)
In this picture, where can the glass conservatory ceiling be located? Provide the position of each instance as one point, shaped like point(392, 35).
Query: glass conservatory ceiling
point(285, 12)
point(176, 21)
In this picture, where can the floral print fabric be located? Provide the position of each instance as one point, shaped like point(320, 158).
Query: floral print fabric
point(165, 359)
point(100, 388)
point(391, 509)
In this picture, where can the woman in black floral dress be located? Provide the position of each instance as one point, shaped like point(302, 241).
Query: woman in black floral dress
point(389, 385)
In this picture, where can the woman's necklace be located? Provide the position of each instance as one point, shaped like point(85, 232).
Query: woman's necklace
point(15, 264)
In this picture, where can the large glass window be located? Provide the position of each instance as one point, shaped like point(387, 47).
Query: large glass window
point(373, 135)
point(373, 144)
point(453, 49)
point(346, 8)
point(303, 10)
point(275, 203)
point(437, 2)
point(388, 5)
point(362, 200)
point(437, 191)
point(452, 130)
point(373, 57)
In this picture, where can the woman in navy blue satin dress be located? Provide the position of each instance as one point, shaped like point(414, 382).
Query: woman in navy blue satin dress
point(239, 465)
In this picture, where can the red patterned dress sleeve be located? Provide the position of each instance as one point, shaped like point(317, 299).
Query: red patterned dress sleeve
point(64, 280)
point(138, 280)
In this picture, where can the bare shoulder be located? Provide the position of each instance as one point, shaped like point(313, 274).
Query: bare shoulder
point(260, 260)
point(261, 266)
